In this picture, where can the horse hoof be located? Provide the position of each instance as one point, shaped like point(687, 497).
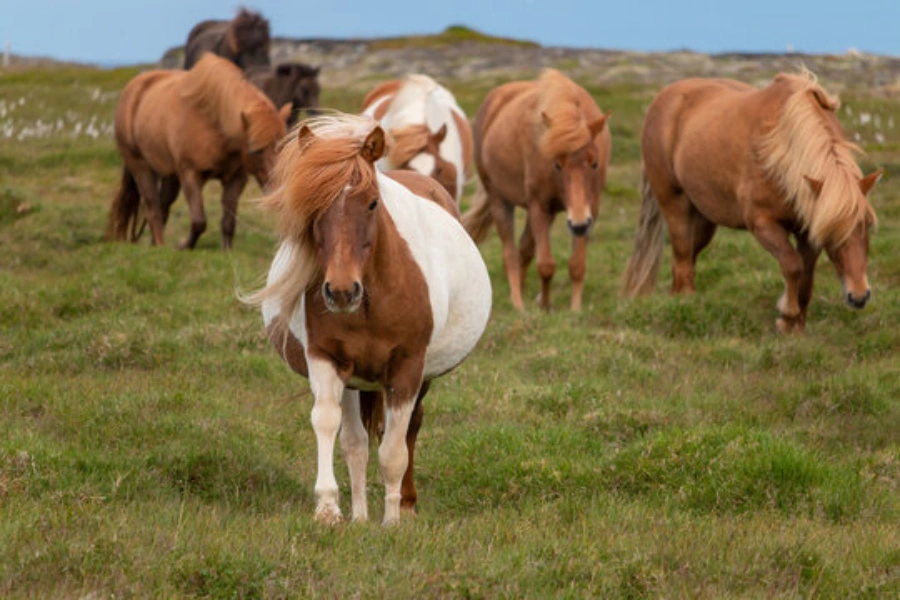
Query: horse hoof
point(329, 515)
point(789, 325)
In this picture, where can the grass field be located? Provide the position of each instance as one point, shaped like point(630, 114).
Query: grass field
point(153, 445)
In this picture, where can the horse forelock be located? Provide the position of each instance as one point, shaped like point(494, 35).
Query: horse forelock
point(406, 143)
point(250, 29)
point(558, 101)
point(807, 141)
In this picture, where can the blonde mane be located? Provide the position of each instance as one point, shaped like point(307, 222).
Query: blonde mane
point(807, 142)
point(309, 176)
point(218, 89)
point(559, 104)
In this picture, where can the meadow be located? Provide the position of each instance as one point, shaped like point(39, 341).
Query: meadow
point(152, 444)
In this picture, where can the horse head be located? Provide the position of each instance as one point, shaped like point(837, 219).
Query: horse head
point(422, 153)
point(345, 232)
point(577, 175)
point(850, 255)
point(247, 39)
point(263, 130)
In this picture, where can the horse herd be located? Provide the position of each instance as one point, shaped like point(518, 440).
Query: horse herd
point(378, 286)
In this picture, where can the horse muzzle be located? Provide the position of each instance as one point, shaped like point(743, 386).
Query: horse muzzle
point(342, 300)
point(580, 229)
point(858, 302)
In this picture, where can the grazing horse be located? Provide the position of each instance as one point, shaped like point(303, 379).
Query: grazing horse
point(542, 145)
point(375, 286)
point(244, 40)
point(430, 132)
point(296, 83)
point(773, 161)
point(179, 129)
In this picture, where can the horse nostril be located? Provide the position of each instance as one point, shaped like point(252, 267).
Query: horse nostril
point(357, 290)
point(326, 288)
point(580, 229)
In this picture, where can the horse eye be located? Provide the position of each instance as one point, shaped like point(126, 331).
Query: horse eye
point(595, 165)
point(373, 204)
point(558, 166)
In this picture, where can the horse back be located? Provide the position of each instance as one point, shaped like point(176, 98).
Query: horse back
point(381, 96)
point(502, 125)
point(425, 187)
point(131, 98)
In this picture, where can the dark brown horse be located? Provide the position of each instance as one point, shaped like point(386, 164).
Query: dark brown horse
point(244, 40)
point(296, 83)
point(773, 161)
point(190, 126)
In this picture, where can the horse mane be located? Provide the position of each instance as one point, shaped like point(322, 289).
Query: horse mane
point(218, 89)
point(247, 30)
point(559, 104)
point(308, 177)
point(807, 141)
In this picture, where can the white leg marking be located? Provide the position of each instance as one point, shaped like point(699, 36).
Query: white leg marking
point(393, 457)
point(327, 388)
point(355, 446)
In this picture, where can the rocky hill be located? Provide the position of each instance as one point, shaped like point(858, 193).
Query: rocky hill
point(449, 56)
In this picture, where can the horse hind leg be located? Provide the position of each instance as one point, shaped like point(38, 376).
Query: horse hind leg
point(680, 217)
point(504, 218)
point(355, 448)
point(148, 185)
point(526, 254)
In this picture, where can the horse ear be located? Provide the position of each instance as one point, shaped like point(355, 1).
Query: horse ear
point(868, 182)
point(598, 125)
point(439, 135)
point(548, 122)
point(284, 69)
point(814, 184)
point(285, 111)
point(305, 134)
point(373, 148)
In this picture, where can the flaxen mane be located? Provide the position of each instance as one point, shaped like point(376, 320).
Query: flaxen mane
point(566, 129)
point(807, 142)
point(309, 176)
point(219, 90)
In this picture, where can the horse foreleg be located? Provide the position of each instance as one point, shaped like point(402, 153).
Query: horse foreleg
point(540, 221)
point(355, 447)
point(578, 269)
point(193, 191)
point(810, 256)
point(526, 253)
point(231, 192)
point(775, 239)
point(393, 453)
point(504, 218)
point(327, 388)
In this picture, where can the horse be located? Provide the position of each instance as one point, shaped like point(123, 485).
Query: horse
point(430, 133)
point(244, 40)
point(773, 161)
point(296, 83)
point(181, 128)
point(375, 287)
point(542, 145)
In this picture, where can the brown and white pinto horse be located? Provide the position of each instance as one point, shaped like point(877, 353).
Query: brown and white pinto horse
point(376, 286)
point(773, 161)
point(544, 146)
point(429, 131)
point(181, 128)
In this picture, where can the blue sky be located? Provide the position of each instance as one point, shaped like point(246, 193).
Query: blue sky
point(126, 31)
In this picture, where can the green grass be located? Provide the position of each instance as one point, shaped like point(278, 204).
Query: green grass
point(153, 445)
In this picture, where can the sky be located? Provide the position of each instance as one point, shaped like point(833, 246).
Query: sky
point(113, 32)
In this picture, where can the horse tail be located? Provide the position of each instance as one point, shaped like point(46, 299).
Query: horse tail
point(478, 220)
point(640, 272)
point(371, 408)
point(123, 214)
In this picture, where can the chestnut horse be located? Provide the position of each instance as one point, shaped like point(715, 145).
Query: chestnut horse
point(181, 128)
point(429, 131)
point(376, 286)
point(297, 83)
point(544, 146)
point(244, 40)
point(773, 161)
